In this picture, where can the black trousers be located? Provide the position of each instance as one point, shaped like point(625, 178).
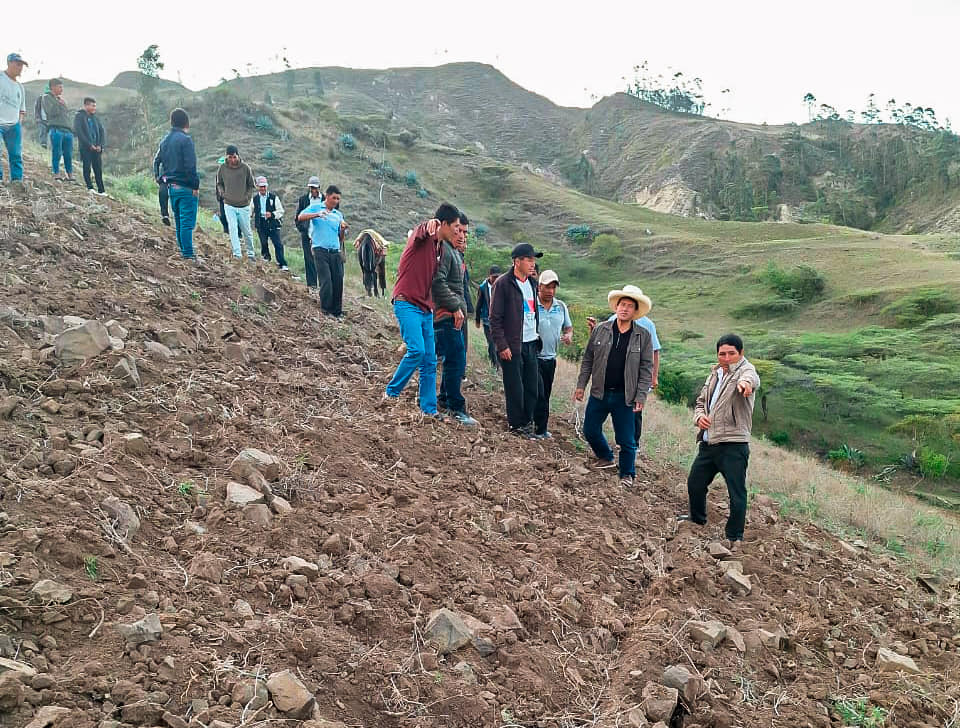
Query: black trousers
point(329, 280)
point(309, 265)
point(268, 235)
point(730, 460)
point(94, 160)
point(521, 385)
point(491, 347)
point(163, 193)
point(223, 218)
point(541, 414)
point(638, 426)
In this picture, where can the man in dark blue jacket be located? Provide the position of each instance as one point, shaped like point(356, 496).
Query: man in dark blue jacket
point(178, 159)
point(89, 133)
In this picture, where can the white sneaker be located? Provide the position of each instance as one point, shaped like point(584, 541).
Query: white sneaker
point(283, 267)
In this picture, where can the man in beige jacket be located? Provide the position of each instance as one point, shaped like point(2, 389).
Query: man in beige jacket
point(724, 418)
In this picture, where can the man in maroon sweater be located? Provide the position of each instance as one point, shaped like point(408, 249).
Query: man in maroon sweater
point(413, 306)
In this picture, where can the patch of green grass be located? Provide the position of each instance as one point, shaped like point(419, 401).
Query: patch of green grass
point(858, 712)
point(91, 567)
point(186, 488)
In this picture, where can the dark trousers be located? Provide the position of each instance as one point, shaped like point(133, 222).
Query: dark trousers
point(309, 265)
point(268, 235)
point(223, 218)
point(614, 405)
point(94, 160)
point(729, 459)
point(638, 427)
point(329, 280)
point(163, 195)
point(491, 347)
point(541, 414)
point(521, 385)
point(449, 343)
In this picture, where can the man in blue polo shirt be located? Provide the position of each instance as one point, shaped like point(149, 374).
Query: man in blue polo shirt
point(555, 328)
point(327, 229)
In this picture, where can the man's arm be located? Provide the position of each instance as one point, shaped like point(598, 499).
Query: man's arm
point(656, 369)
point(481, 297)
point(497, 309)
point(190, 165)
point(443, 296)
point(277, 207)
point(646, 371)
point(700, 408)
point(251, 183)
point(157, 163)
point(80, 132)
point(586, 367)
point(220, 185)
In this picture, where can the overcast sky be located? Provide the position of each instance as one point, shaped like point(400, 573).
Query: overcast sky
point(769, 54)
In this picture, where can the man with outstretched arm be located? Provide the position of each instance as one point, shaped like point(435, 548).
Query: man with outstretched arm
point(413, 307)
point(724, 419)
point(515, 327)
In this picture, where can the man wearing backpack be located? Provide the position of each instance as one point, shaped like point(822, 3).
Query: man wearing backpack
point(267, 218)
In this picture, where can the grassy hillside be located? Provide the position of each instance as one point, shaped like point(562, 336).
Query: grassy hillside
point(853, 363)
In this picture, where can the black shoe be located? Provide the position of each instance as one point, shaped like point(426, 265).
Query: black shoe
point(166, 221)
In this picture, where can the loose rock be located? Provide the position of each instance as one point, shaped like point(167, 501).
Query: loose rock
point(80, 343)
point(266, 464)
point(206, 566)
point(147, 629)
point(47, 590)
point(659, 701)
point(447, 630)
point(890, 661)
point(289, 695)
point(128, 523)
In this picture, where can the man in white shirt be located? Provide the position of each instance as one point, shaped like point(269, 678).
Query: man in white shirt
point(13, 110)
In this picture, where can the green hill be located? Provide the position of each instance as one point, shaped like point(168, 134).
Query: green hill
point(858, 349)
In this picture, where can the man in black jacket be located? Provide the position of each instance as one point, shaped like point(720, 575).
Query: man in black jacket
point(267, 218)
point(89, 132)
point(178, 158)
point(313, 195)
point(514, 325)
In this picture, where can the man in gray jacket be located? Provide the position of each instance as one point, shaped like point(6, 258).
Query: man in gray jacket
point(724, 419)
point(619, 360)
point(448, 318)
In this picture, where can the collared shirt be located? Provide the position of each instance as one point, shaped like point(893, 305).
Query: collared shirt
point(553, 321)
point(529, 311)
point(263, 203)
point(12, 100)
point(713, 398)
point(325, 230)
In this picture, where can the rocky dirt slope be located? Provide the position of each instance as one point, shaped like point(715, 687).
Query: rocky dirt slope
point(207, 521)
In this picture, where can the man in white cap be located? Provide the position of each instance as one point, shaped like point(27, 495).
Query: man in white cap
point(555, 328)
point(267, 218)
point(13, 110)
point(619, 361)
point(313, 195)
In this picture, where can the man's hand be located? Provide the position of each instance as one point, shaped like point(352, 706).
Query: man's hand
point(591, 323)
point(268, 215)
point(196, 193)
point(744, 388)
point(476, 324)
point(578, 395)
point(704, 423)
point(654, 383)
point(458, 319)
point(506, 354)
point(432, 226)
point(567, 338)
point(638, 407)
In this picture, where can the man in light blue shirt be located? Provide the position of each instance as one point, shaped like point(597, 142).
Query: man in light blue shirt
point(555, 328)
point(646, 323)
point(327, 229)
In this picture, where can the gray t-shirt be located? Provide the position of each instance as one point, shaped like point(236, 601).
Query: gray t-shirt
point(12, 100)
point(552, 323)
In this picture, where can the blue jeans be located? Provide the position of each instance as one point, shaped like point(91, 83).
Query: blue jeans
point(13, 140)
point(61, 144)
point(184, 204)
point(450, 347)
point(416, 328)
point(615, 405)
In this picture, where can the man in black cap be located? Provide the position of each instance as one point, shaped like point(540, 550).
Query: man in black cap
point(514, 325)
point(482, 311)
point(313, 195)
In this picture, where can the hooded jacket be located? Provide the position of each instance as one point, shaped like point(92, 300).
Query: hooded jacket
point(81, 129)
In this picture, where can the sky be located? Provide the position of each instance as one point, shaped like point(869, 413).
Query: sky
point(769, 54)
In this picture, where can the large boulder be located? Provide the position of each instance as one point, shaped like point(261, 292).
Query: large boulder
point(83, 342)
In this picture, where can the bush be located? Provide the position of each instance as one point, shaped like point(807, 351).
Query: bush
point(802, 284)
point(780, 437)
point(920, 306)
point(348, 142)
point(269, 155)
point(847, 458)
point(480, 231)
point(579, 234)
point(770, 307)
point(675, 386)
point(411, 179)
point(264, 123)
point(687, 334)
point(422, 193)
point(932, 464)
point(385, 170)
point(607, 248)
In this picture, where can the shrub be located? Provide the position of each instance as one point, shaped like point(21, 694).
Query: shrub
point(687, 334)
point(847, 458)
point(780, 437)
point(385, 170)
point(607, 248)
point(579, 234)
point(264, 123)
point(348, 142)
point(932, 464)
point(407, 138)
point(802, 284)
point(410, 178)
point(675, 386)
point(422, 193)
point(920, 306)
point(480, 231)
point(269, 155)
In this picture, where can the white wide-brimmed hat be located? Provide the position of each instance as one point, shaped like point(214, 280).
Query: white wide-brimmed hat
point(644, 304)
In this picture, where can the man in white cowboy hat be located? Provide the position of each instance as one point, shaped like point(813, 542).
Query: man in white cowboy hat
point(267, 218)
point(619, 361)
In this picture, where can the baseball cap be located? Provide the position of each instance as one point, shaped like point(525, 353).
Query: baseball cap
point(261, 181)
point(232, 149)
point(548, 277)
point(494, 270)
point(525, 250)
point(16, 58)
point(314, 182)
